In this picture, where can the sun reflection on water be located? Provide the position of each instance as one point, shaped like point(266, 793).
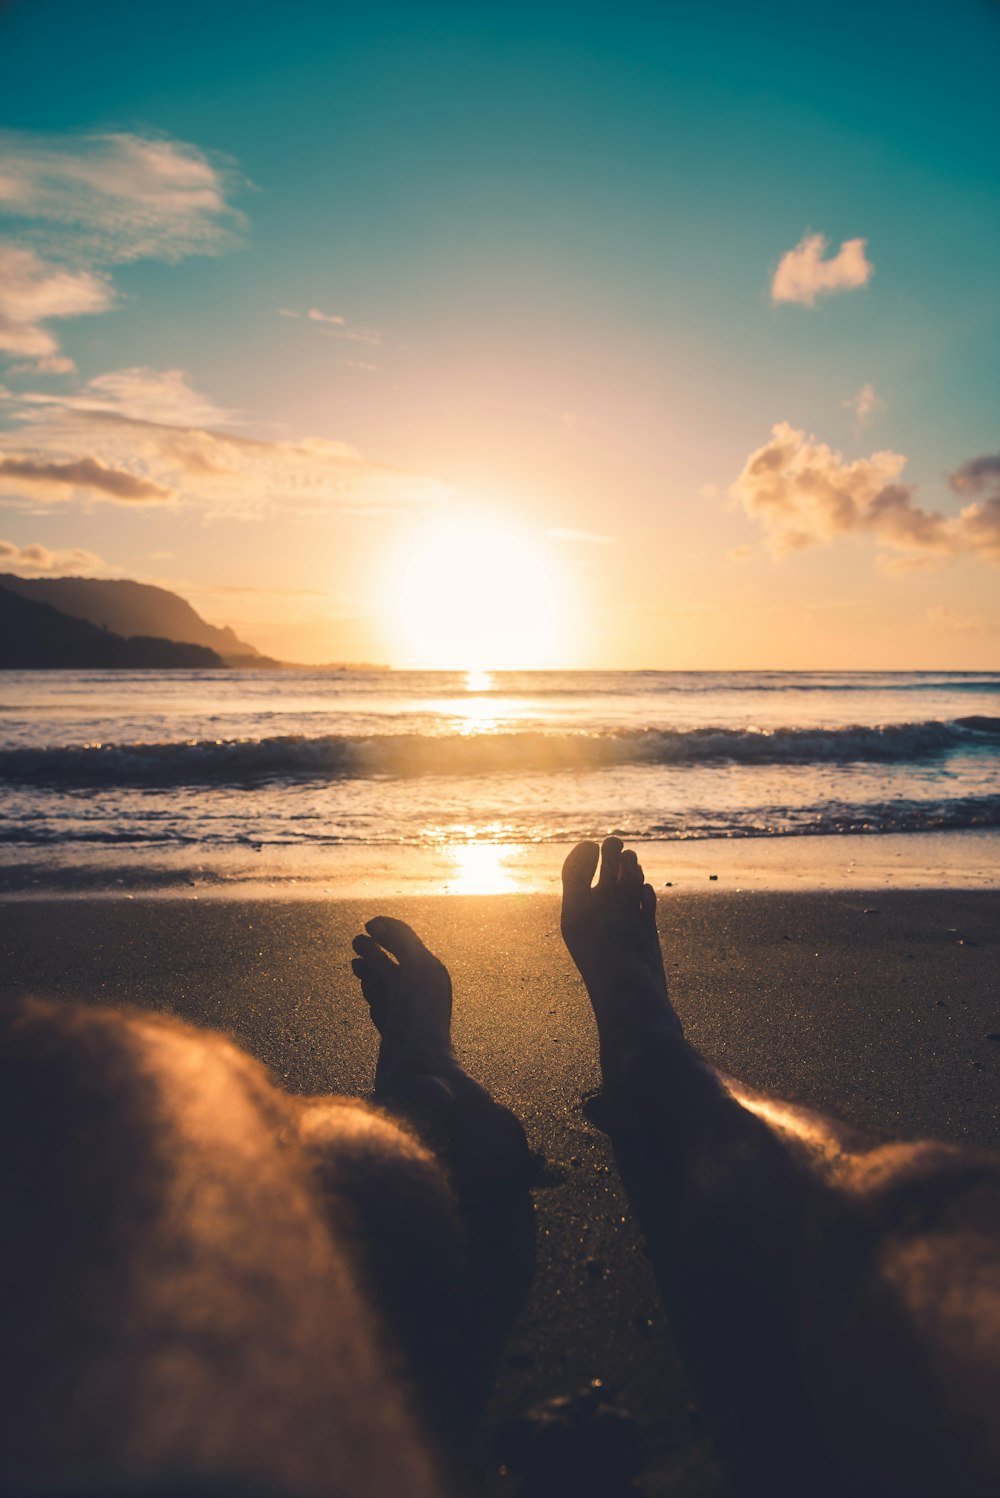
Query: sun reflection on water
point(483, 868)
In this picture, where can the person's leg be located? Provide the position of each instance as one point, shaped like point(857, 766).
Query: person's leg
point(391, 1206)
point(839, 1298)
point(177, 1301)
point(408, 991)
point(483, 1149)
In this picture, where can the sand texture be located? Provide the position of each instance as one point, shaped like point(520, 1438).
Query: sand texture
point(884, 1009)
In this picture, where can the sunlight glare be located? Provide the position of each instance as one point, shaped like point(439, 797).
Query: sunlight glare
point(483, 869)
point(475, 595)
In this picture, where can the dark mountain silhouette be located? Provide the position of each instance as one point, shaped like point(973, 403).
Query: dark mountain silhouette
point(128, 608)
point(36, 635)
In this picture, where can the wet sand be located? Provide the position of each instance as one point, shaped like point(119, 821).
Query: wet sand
point(883, 1008)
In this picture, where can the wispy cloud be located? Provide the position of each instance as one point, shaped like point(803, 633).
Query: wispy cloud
point(144, 394)
point(122, 196)
point(336, 326)
point(76, 444)
point(371, 336)
point(942, 619)
point(865, 404)
point(32, 292)
point(77, 204)
point(37, 561)
point(803, 274)
point(55, 479)
point(803, 493)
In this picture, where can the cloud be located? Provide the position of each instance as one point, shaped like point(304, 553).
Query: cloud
point(585, 538)
point(36, 561)
point(143, 394)
point(218, 473)
point(804, 494)
point(57, 480)
point(940, 617)
point(371, 336)
point(335, 326)
point(803, 274)
point(981, 519)
point(977, 475)
point(124, 196)
point(865, 404)
point(34, 290)
point(85, 202)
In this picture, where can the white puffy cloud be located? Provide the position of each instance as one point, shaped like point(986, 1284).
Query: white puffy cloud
point(803, 493)
point(37, 561)
point(123, 196)
point(803, 274)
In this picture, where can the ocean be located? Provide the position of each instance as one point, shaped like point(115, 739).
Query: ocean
point(229, 773)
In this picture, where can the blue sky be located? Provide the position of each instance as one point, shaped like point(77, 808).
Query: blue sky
point(551, 233)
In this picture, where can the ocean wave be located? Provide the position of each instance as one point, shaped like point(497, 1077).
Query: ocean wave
point(297, 758)
point(694, 824)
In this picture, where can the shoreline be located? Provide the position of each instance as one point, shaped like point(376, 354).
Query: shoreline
point(968, 859)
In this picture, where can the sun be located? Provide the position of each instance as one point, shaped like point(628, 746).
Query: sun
point(475, 594)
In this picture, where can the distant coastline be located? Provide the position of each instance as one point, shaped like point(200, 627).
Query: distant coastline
point(82, 623)
point(36, 636)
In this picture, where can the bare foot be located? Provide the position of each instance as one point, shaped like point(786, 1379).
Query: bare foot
point(610, 930)
point(409, 995)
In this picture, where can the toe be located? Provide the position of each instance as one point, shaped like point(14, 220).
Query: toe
point(372, 956)
point(647, 903)
point(611, 852)
point(397, 937)
point(579, 868)
point(629, 876)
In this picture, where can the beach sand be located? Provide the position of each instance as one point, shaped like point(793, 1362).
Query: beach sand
point(883, 1008)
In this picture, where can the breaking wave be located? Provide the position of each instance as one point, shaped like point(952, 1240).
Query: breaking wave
point(298, 758)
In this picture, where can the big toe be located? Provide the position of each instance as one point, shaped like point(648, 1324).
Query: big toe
point(397, 937)
point(579, 869)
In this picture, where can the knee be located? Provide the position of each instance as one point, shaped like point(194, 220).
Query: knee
point(378, 1180)
point(389, 1204)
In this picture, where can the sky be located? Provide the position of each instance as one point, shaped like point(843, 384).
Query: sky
point(627, 336)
